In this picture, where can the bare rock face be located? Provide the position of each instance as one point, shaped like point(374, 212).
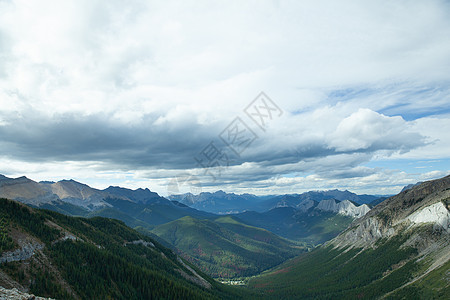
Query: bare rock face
point(366, 233)
point(422, 204)
point(436, 213)
point(26, 251)
point(78, 193)
point(141, 242)
point(25, 190)
point(346, 208)
point(38, 193)
point(15, 294)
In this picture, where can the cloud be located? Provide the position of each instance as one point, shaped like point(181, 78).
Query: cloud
point(172, 141)
point(140, 89)
point(101, 137)
point(366, 129)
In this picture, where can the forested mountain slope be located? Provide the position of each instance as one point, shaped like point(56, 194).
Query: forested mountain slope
point(226, 247)
point(49, 254)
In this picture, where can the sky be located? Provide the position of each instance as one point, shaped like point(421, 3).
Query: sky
point(263, 97)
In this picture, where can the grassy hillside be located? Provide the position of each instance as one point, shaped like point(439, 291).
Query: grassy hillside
point(327, 273)
point(225, 247)
point(94, 258)
point(311, 227)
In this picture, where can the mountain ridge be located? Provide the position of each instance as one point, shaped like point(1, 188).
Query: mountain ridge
point(225, 247)
point(70, 191)
point(399, 250)
point(220, 202)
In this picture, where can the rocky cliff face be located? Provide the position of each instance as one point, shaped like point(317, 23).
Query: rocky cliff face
point(15, 294)
point(27, 249)
point(424, 204)
point(436, 214)
point(345, 208)
point(77, 193)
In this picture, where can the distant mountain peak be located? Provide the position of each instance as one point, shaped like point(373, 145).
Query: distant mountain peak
point(47, 182)
point(345, 207)
point(137, 195)
point(71, 181)
point(410, 186)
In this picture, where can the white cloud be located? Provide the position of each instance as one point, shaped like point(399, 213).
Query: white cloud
point(366, 129)
point(351, 76)
point(437, 131)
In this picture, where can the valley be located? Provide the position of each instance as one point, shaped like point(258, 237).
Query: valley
point(184, 150)
point(227, 248)
point(223, 246)
point(303, 246)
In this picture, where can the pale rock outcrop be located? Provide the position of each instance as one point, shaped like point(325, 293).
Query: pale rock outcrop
point(422, 204)
point(141, 242)
point(345, 208)
point(436, 213)
point(367, 232)
point(26, 251)
point(15, 294)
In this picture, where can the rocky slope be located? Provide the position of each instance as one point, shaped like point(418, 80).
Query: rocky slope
point(419, 216)
point(399, 250)
point(25, 190)
point(426, 203)
point(15, 294)
point(77, 193)
point(70, 191)
point(345, 208)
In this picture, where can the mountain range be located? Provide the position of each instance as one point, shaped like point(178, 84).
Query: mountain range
point(300, 248)
point(305, 222)
point(227, 203)
point(139, 207)
point(70, 191)
point(136, 207)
